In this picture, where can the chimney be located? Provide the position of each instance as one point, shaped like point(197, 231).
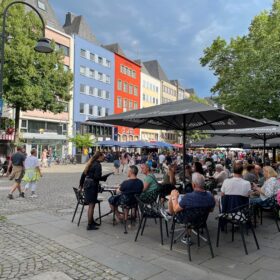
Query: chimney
point(69, 19)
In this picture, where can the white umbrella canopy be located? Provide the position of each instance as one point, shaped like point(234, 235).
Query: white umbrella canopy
point(183, 115)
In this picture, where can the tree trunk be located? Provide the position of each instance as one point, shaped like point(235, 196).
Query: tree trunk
point(17, 130)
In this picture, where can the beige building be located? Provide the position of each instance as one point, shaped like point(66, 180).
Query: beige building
point(150, 96)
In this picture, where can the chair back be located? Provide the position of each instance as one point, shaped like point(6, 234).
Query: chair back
point(232, 202)
point(193, 217)
point(148, 209)
point(79, 196)
point(150, 197)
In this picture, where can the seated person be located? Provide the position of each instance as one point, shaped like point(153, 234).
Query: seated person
point(269, 189)
point(150, 184)
point(259, 174)
point(236, 185)
point(196, 199)
point(250, 175)
point(126, 191)
point(169, 181)
point(220, 175)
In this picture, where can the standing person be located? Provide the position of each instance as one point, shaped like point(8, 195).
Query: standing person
point(49, 157)
point(17, 173)
point(32, 172)
point(116, 159)
point(90, 182)
point(161, 159)
point(44, 158)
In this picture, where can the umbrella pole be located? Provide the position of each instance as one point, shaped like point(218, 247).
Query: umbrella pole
point(264, 144)
point(184, 151)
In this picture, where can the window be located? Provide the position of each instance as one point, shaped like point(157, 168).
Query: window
point(125, 87)
point(83, 70)
point(24, 125)
point(91, 73)
point(135, 91)
point(82, 108)
point(41, 5)
point(91, 91)
point(82, 88)
point(128, 72)
point(122, 69)
point(65, 49)
point(125, 103)
point(108, 63)
point(144, 96)
point(135, 105)
point(107, 94)
point(108, 79)
point(119, 102)
point(133, 74)
point(100, 60)
point(130, 105)
point(154, 100)
point(99, 111)
point(83, 53)
point(130, 89)
point(99, 94)
point(100, 76)
point(119, 84)
point(92, 56)
point(90, 110)
point(106, 113)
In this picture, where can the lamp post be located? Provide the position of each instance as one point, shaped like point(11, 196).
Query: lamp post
point(42, 46)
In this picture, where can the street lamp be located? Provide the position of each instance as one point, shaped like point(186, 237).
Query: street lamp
point(42, 46)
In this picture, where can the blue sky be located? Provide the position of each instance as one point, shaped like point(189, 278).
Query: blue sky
point(174, 32)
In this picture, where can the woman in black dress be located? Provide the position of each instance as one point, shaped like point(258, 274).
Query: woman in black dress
point(90, 182)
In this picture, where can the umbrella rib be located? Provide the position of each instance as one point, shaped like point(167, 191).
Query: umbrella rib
point(190, 120)
point(167, 123)
point(206, 121)
point(209, 123)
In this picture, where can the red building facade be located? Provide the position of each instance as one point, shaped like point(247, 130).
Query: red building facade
point(127, 93)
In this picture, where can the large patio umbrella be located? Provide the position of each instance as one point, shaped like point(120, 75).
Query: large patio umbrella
point(109, 143)
point(183, 115)
point(137, 144)
point(263, 133)
point(160, 144)
point(221, 141)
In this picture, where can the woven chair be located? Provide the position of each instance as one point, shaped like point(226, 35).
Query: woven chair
point(150, 210)
point(240, 216)
point(271, 205)
point(193, 219)
point(80, 196)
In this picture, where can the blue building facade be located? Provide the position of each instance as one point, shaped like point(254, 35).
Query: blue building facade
point(94, 70)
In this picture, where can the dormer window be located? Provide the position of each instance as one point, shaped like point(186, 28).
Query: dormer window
point(41, 5)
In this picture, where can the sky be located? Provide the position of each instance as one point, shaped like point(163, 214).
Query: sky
point(174, 32)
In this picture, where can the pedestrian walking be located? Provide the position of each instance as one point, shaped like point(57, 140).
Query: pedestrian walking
point(32, 172)
point(17, 173)
point(44, 158)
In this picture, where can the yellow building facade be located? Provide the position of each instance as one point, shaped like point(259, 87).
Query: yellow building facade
point(150, 96)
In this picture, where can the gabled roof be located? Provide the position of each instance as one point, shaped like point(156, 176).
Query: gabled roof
point(115, 48)
point(155, 70)
point(143, 68)
point(47, 12)
point(78, 25)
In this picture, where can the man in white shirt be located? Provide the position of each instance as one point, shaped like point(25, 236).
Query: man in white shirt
point(161, 159)
point(236, 185)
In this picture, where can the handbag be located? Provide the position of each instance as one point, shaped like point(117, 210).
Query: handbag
point(88, 183)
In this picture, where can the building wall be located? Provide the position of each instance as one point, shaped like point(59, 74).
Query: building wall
point(94, 82)
point(63, 40)
point(168, 92)
point(127, 93)
point(150, 96)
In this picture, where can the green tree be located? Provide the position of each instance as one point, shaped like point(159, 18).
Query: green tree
point(82, 141)
point(31, 80)
point(248, 67)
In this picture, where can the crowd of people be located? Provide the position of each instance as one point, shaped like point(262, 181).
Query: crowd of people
point(229, 173)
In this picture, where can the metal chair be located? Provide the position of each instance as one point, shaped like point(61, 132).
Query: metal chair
point(80, 196)
point(194, 219)
point(150, 210)
point(240, 216)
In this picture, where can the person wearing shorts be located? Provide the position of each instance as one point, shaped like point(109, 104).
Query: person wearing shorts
point(17, 173)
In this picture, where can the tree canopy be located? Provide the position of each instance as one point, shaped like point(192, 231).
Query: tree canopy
point(248, 67)
point(83, 141)
point(32, 80)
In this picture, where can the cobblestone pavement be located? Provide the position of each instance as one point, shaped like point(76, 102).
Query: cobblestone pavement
point(24, 254)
